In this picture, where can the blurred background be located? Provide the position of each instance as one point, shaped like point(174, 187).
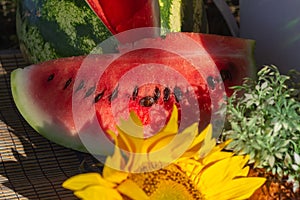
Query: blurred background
point(8, 37)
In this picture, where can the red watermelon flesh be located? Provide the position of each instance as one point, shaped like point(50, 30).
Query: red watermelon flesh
point(76, 104)
point(123, 15)
point(232, 56)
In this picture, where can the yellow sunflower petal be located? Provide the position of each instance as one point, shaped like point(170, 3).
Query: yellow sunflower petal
point(221, 172)
point(213, 157)
point(132, 190)
point(202, 144)
point(208, 145)
point(173, 148)
point(205, 135)
point(215, 154)
point(178, 139)
point(189, 165)
point(133, 126)
point(97, 192)
point(135, 118)
point(157, 141)
point(127, 142)
point(196, 140)
point(244, 171)
point(114, 175)
point(165, 136)
point(116, 159)
point(172, 125)
point(81, 181)
point(131, 136)
point(221, 146)
point(241, 188)
point(112, 134)
point(192, 168)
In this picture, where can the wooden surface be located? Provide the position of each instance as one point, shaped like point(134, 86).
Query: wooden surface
point(31, 167)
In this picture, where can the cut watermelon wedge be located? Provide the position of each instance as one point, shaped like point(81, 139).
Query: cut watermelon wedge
point(76, 104)
point(123, 15)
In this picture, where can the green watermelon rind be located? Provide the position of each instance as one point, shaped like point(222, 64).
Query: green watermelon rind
point(57, 29)
point(26, 107)
point(183, 15)
point(167, 15)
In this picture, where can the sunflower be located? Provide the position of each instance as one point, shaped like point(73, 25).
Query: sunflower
point(202, 171)
point(159, 150)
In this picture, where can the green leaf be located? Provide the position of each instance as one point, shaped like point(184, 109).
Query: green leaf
point(274, 171)
point(255, 145)
point(279, 171)
point(264, 85)
point(295, 167)
point(297, 158)
point(277, 127)
point(279, 155)
point(252, 155)
point(235, 127)
point(287, 159)
point(271, 161)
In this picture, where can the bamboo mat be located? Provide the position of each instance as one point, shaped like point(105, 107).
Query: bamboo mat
point(31, 167)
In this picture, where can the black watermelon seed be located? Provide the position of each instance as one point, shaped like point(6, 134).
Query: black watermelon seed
point(99, 96)
point(114, 94)
point(166, 92)
point(226, 75)
point(90, 91)
point(50, 78)
point(147, 101)
point(80, 86)
point(178, 94)
point(135, 92)
point(156, 94)
point(68, 82)
point(211, 82)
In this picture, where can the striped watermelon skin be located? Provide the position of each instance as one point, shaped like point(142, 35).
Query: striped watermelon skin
point(50, 29)
point(183, 15)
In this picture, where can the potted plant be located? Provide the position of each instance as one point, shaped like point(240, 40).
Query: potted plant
point(263, 120)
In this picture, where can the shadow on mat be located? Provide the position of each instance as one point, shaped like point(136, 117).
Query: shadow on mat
point(31, 166)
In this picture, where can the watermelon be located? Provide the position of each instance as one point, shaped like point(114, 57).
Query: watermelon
point(50, 29)
point(183, 15)
point(123, 15)
point(75, 105)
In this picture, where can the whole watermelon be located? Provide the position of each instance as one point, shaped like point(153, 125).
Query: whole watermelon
point(50, 29)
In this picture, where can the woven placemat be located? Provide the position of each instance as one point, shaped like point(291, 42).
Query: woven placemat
point(31, 167)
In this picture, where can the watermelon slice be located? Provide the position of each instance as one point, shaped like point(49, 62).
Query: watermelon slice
point(123, 15)
point(76, 104)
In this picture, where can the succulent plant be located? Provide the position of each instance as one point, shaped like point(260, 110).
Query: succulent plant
point(264, 121)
